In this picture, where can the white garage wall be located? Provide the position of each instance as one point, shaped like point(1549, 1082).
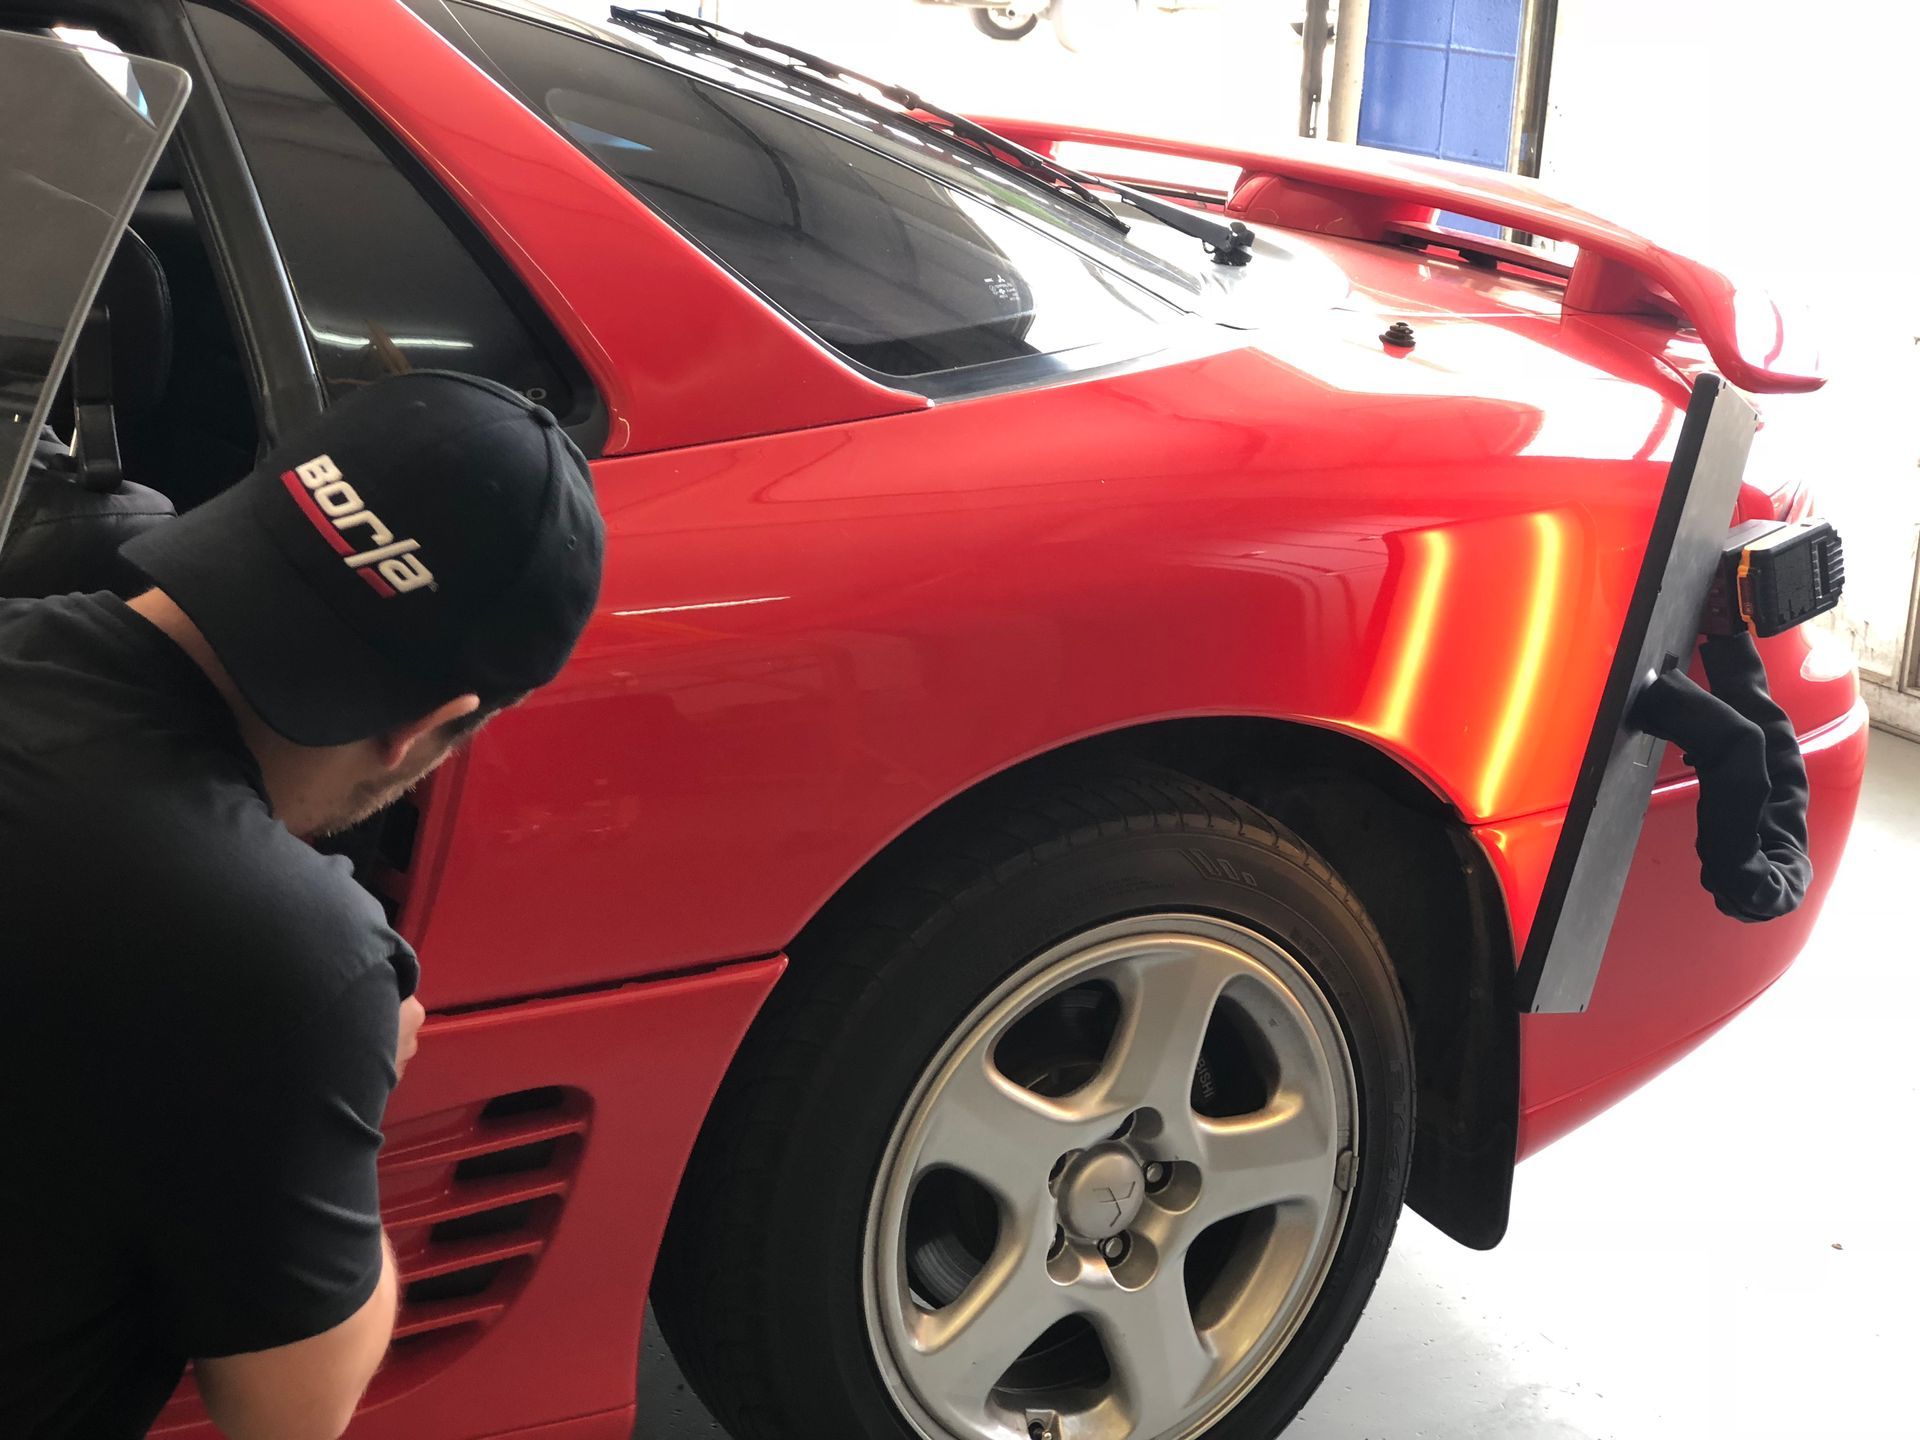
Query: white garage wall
point(1780, 137)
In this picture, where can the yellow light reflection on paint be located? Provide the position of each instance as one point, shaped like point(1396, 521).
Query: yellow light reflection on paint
point(1533, 654)
point(1435, 550)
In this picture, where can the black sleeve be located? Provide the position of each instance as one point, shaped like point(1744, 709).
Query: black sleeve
point(268, 1229)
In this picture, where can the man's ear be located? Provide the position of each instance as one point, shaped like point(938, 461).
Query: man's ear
point(396, 745)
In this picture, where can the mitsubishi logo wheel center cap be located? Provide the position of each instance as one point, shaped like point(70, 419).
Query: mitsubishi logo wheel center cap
point(1100, 1193)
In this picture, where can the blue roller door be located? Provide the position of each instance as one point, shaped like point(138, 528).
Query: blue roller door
point(1440, 81)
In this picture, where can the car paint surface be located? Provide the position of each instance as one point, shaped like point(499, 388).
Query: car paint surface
point(831, 607)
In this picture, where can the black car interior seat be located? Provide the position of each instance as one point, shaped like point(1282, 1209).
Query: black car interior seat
point(160, 358)
point(78, 508)
point(202, 436)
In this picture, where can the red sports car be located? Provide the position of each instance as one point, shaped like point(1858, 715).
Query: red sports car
point(1054, 833)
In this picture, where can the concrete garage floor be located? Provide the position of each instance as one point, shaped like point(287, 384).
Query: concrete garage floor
point(1730, 1253)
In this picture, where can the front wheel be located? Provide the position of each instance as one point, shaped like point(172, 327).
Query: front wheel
point(1004, 22)
point(1093, 1115)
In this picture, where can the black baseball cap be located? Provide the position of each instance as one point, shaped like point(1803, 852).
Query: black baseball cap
point(430, 536)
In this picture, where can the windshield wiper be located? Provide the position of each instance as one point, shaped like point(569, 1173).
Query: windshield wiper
point(957, 126)
point(1229, 243)
point(710, 33)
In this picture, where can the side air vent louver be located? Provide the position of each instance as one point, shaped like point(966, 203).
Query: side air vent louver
point(470, 1198)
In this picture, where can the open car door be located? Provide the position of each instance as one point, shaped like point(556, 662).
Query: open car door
point(80, 130)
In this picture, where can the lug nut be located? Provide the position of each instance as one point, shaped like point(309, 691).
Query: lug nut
point(1156, 1174)
point(1115, 1248)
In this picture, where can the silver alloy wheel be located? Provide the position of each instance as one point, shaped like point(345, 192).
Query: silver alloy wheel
point(1116, 1262)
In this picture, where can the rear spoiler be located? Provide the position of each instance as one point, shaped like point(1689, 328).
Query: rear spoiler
point(1366, 194)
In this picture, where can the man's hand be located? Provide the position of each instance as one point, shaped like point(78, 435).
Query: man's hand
point(411, 1014)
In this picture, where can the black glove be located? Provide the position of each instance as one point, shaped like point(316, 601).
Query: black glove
point(1753, 783)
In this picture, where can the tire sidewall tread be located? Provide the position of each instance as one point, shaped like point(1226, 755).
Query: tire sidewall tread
point(874, 990)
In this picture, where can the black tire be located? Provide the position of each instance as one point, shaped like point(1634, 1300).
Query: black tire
point(761, 1299)
point(988, 23)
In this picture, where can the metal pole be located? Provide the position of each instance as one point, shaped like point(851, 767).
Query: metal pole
point(1532, 74)
point(1313, 51)
point(1349, 70)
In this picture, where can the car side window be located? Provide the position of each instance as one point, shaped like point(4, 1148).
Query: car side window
point(383, 282)
point(899, 272)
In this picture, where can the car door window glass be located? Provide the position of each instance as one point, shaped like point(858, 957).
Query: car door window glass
point(80, 129)
point(383, 283)
point(896, 270)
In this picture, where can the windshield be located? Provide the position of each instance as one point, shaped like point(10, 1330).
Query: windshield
point(1142, 255)
point(881, 252)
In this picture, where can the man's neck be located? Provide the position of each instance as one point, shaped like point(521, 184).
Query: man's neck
point(156, 607)
point(270, 751)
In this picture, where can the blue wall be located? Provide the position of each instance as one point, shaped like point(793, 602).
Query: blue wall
point(1439, 80)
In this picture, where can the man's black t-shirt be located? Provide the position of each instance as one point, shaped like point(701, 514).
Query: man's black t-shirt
point(197, 1026)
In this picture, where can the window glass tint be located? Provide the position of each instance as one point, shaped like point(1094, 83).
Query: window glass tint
point(383, 283)
point(898, 271)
